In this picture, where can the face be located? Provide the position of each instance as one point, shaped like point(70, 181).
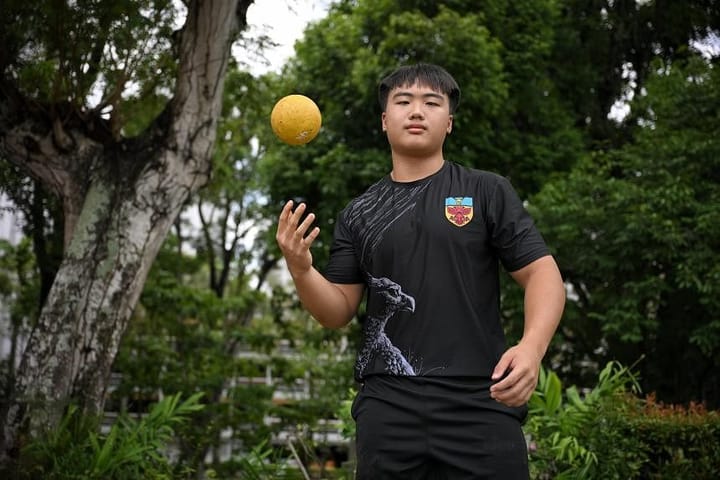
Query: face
point(417, 119)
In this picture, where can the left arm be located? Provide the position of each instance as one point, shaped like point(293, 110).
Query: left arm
point(544, 304)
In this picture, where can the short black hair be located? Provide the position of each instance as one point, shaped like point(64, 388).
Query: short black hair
point(426, 74)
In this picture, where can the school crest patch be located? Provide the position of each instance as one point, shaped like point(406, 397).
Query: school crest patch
point(459, 210)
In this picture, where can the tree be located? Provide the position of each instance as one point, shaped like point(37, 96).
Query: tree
point(636, 233)
point(197, 308)
point(605, 49)
point(121, 183)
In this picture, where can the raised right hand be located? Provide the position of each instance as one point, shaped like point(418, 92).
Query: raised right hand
point(295, 238)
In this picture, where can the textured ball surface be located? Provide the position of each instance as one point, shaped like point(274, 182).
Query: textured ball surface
point(295, 119)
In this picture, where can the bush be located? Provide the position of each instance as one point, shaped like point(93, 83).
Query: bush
point(611, 433)
point(132, 449)
point(570, 433)
point(681, 442)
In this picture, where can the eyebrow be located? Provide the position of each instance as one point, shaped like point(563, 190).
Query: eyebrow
point(424, 95)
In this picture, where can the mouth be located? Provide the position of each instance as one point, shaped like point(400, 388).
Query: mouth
point(415, 128)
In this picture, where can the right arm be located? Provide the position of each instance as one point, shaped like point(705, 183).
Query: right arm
point(333, 305)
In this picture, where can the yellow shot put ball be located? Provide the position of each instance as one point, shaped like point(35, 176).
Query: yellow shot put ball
point(295, 119)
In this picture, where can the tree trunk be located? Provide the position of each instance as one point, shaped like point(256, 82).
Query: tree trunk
point(131, 194)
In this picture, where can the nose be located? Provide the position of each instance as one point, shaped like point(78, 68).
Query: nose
point(417, 111)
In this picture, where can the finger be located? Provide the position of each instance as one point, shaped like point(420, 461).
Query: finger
point(502, 367)
point(284, 215)
point(297, 214)
point(305, 225)
point(505, 384)
point(510, 397)
point(284, 227)
point(519, 397)
point(516, 394)
point(287, 208)
point(310, 238)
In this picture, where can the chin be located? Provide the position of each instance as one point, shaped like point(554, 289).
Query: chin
point(417, 152)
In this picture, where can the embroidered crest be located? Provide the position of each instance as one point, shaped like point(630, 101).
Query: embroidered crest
point(459, 210)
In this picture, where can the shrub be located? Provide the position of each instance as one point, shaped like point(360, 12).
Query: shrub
point(132, 449)
point(682, 442)
point(611, 433)
point(573, 436)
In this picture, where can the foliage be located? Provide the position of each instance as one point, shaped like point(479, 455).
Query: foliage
point(609, 432)
point(132, 448)
point(182, 337)
point(567, 429)
point(635, 234)
point(256, 465)
point(19, 293)
point(229, 210)
point(604, 53)
point(345, 414)
point(260, 463)
point(40, 219)
point(19, 287)
point(67, 53)
point(277, 371)
point(682, 442)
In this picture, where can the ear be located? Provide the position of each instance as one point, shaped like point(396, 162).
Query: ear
point(384, 125)
point(450, 124)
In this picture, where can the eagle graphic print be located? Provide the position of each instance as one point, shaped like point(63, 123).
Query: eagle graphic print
point(370, 216)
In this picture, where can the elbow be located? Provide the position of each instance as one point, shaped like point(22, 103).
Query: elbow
point(333, 323)
point(333, 319)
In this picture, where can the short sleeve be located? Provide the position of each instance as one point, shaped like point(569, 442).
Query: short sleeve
point(513, 234)
point(343, 266)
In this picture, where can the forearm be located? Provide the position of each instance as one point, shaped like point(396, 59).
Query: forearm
point(544, 304)
point(332, 306)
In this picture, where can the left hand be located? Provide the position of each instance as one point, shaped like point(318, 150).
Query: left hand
point(522, 365)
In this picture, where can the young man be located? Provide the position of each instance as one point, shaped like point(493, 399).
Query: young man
point(441, 397)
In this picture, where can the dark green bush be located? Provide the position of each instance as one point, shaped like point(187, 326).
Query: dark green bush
point(609, 432)
point(680, 442)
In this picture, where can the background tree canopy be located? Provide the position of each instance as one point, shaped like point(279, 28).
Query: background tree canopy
point(635, 229)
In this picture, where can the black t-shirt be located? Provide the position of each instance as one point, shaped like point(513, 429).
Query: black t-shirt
point(428, 252)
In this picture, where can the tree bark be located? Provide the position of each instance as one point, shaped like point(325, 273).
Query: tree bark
point(121, 199)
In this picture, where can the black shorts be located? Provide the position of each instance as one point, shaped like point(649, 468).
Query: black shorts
point(420, 428)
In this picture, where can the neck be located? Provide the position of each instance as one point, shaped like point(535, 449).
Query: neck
point(409, 170)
